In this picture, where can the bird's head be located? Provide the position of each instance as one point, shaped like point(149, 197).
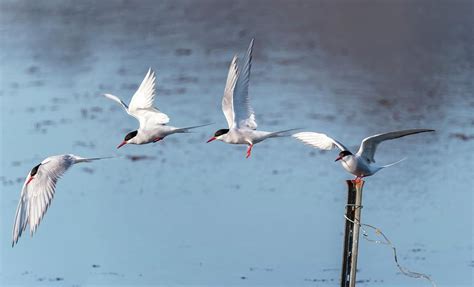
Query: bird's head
point(129, 138)
point(32, 174)
point(218, 135)
point(343, 154)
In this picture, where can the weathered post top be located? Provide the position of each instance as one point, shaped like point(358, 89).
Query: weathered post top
point(351, 233)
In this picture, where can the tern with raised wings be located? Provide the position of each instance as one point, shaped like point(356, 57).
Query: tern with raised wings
point(153, 123)
point(240, 116)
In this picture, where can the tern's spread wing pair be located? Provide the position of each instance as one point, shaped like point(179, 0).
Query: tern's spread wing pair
point(360, 164)
point(152, 121)
point(237, 110)
point(38, 191)
point(141, 105)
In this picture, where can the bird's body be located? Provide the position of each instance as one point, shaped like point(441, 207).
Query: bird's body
point(39, 189)
point(153, 135)
point(145, 136)
point(245, 136)
point(153, 123)
point(237, 110)
point(360, 164)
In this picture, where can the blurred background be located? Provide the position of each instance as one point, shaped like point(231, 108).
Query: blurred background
point(182, 212)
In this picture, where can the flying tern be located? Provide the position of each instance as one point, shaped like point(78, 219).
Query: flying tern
point(360, 164)
point(38, 191)
point(237, 109)
point(152, 121)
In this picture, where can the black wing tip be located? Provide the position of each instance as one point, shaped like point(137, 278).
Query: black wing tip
point(424, 131)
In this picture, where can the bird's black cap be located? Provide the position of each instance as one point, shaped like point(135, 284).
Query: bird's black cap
point(34, 170)
point(344, 153)
point(221, 132)
point(130, 135)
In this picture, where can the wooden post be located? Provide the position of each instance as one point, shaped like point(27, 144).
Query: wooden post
point(351, 233)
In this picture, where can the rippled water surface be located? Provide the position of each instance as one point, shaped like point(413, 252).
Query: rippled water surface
point(182, 212)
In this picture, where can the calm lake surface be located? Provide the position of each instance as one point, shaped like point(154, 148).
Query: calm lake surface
point(183, 212)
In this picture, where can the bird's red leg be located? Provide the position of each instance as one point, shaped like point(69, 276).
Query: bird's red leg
point(249, 150)
point(157, 140)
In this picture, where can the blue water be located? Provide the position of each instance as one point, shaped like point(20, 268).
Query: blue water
point(191, 213)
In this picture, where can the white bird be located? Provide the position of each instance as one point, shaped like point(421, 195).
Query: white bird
point(152, 121)
point(237, 110)
point(362, 163)
point(38, 191)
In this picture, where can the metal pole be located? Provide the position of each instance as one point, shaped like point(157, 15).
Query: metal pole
point(351, 233)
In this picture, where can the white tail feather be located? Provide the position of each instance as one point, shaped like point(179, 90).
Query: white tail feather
point(394, 163)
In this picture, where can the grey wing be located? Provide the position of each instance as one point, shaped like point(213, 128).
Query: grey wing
point(21, 216)
point(228, 99)
point(36, 196)
point(319, 140)
point(244, 113)
point(369, 145)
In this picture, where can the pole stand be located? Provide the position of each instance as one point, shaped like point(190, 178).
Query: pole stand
point(351, 233)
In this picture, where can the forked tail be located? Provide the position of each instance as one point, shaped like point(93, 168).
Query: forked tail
point(394, 163)
point(81, 159)
point(284, 133)
point(187, 129)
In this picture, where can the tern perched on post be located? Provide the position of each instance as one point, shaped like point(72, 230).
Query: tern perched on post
point(360, 164)
point(152, 121)
point(237, 110)
point(38, 191)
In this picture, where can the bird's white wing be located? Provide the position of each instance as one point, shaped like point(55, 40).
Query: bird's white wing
point(319, 140)
point(150, 118)
point(243, 111)
point(369, 145)
point(228, 99)
point(141, 105)
point(36, 196)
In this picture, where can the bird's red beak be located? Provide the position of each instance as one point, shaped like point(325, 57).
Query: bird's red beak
point(211, 139)
point(121, 144)
point(339, 158)
point(30, 179)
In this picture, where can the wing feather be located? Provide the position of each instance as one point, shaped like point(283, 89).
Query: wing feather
point(36, 197)
point(369, 145)
point(244, 113)
point(228, 99)
point(319, 140)
point(144, 97)
point(141, 106)
point(116, 99)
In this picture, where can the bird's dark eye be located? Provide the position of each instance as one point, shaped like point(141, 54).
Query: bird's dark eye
point(130, 135)
point(221, 132)
point(34, 170)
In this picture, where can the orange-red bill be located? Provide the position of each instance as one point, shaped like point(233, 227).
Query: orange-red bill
point(339, 158)
point(121, 144)
point(211, 139)
point(30, 179)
